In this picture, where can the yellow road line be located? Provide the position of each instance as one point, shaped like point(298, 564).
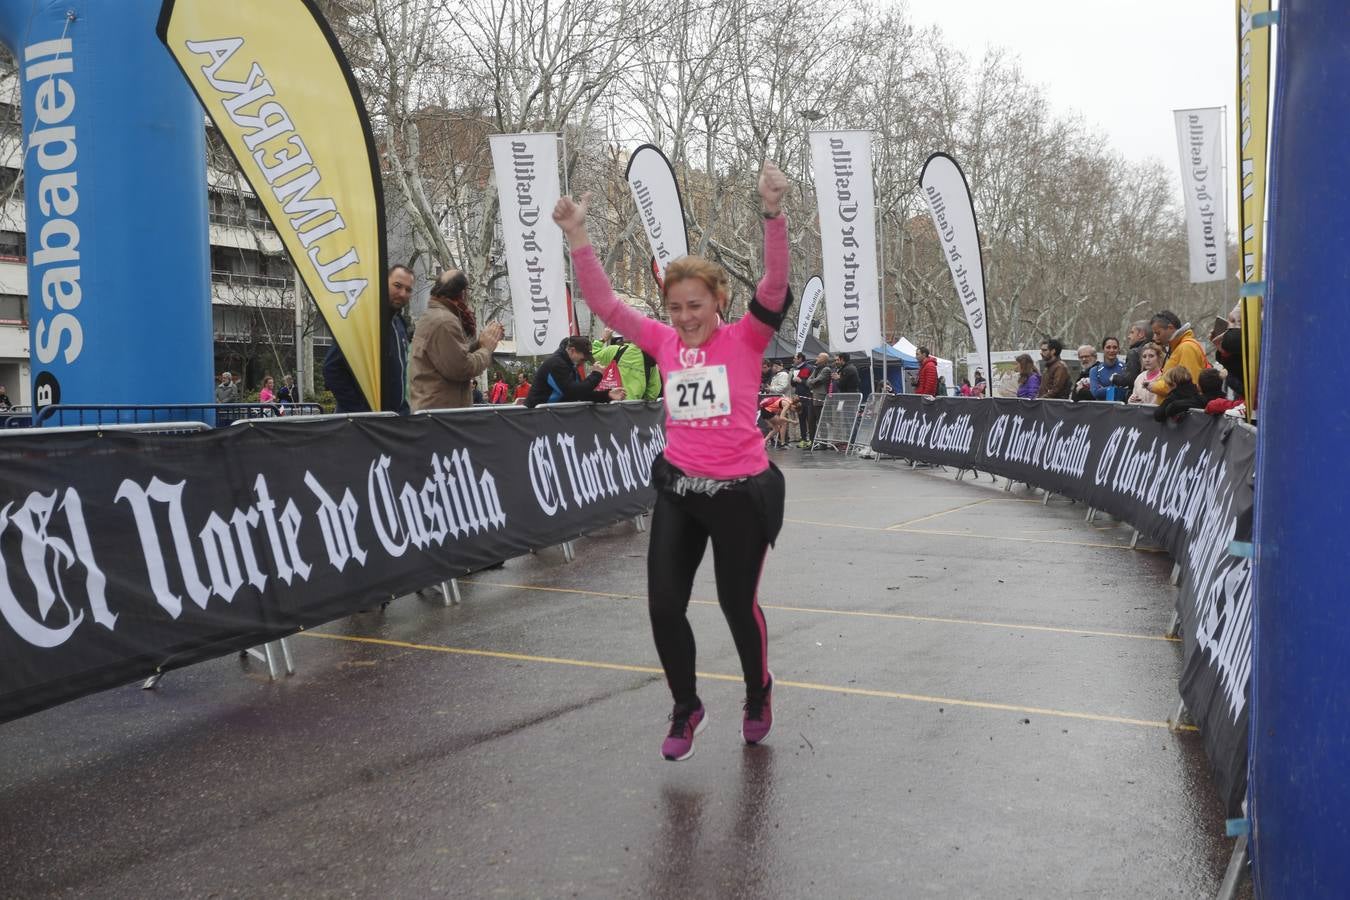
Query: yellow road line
point(902, 528)
point(714, 676)
point(885, 497)
point(861, 614)
point(906, 499)
point(1022, 540)
point(898, 525)
point(834, 525)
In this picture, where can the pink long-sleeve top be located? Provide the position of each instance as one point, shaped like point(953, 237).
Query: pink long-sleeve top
point(722, 447)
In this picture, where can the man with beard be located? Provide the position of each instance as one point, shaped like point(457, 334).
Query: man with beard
point(819, 383)
point(1055, 375)
point(845, 375)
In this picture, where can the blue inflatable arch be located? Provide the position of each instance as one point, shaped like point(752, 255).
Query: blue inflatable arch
point(115, 196)
point(1300, 723)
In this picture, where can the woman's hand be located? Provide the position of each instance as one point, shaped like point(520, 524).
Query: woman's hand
point(618, 394)
point(570, 216)
point(773, 185)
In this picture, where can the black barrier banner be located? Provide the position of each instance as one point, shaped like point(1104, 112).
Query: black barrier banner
point(1185, 485)
point(122, 554)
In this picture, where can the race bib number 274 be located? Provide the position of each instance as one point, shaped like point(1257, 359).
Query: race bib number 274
point(699, 392)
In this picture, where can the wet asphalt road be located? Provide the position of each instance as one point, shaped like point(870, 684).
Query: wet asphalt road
point(971, 702)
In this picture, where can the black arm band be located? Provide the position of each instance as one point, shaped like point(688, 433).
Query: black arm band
point(773, 319)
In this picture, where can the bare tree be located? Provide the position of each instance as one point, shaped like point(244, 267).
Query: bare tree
point(444, 74)
point(1076, 240)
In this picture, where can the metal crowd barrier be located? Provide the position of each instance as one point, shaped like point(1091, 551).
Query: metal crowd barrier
point(314, 417)
point(17, 417)
point(155, 428)
point(844, 419)
point(59, 414)
point(868, 417)
point(838, 415)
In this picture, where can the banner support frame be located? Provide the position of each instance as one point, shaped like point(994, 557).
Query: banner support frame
point(574, 322)
point(1227, 213)
point(881, 285)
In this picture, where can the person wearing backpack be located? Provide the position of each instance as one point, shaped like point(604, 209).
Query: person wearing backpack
point(636, 373)
point(500, 393)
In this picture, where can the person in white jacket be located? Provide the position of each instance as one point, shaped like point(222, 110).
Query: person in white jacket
point(1151, 360)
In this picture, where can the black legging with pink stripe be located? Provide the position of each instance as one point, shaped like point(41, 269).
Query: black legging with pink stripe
point(681, 528)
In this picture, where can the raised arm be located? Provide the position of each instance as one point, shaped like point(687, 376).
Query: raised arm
point(591, 278)
point(772, 290)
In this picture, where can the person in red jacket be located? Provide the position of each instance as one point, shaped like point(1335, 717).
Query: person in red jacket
point(928, 376)
point(500, 392)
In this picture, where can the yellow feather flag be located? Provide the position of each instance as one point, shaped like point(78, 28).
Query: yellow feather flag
point(275, 83)
point(1253, 132)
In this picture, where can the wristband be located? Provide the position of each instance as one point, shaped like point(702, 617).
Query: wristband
point(773, 319)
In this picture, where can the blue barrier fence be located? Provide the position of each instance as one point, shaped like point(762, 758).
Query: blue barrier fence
point(215, 414)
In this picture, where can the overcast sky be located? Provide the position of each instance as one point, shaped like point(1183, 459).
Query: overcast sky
point(1123, 66)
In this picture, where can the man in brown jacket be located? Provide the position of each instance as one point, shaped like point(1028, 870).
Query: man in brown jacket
point(1055, 377)
point(447, 350)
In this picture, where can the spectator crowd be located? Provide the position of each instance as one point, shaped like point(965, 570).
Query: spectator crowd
point(1164, 365)
point(447, 361)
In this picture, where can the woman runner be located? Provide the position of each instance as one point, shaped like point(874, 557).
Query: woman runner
point(714, 479)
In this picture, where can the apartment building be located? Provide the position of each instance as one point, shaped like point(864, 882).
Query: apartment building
point(253, 286)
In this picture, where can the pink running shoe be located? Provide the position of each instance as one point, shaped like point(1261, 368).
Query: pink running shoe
point(679, 744)
point(758, 719)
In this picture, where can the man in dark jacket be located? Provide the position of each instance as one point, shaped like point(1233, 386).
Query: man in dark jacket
point(1139, 336)
point(845, 375)
point(338, 375)
point(557, 380)
point(1055, 377)
point(801, 374)
point(1226, 336)
point(819, 382)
